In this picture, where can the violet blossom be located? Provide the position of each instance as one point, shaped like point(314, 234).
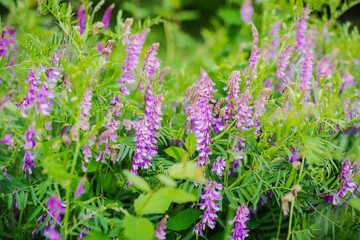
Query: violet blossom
point(349, 171)
point(244, 116)
point(107, 15)
point(219, 166)
point(107, 135)
point(29, 156)
point(132, 60)
point(151, 65)
point(246, 11)
point(284, 61)
point(80, 188)
point(85, 107)
point(82, 18)
point(7, 44)
point(52, 234)
point(240, 220)
point(160, 229)
point(145, 132)
point(144, 145)
point(55, 209)
point(233, 96)
point(126, 30)
point(209, 197)
point(200, 114)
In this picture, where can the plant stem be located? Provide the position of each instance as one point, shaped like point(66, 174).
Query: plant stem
point(67, 213)
point(290, 220)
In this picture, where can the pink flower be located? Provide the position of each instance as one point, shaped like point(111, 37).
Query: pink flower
point(55, 208)
point(107, 15)
point(80, 188)
point(160, 229)
point(200, 114)
point(246, 11)
point(219, 166)
point(209, 197)
point(132, 60)
point(240, 220)
point(151, 65)
point(52, 234)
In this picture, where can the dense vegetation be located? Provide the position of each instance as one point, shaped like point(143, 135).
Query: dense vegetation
point(250, 131)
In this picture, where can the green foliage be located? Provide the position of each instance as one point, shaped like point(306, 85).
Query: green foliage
point(120, 205)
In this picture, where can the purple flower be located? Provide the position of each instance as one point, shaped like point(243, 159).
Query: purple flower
point(302, 28)
point(259, 105)
point(107, 135)
point(151, 65)
point(55, 209)
point(209, 197)
point(85, 107)
point(160, 229)
point(255, 53)
point(83, 233)
point(52, 234)
point(132, 60)
point(240, 220)
point(126, 30)
point(144, 145)
point(108, 48)
point(307, 61)
point(7, 44)
point(5, 99)
point(305, 43)
point(348, 80)
point(246, 11)
point(107, 15)
point(219, 166)
point(284, 61)
point(200, 114)
point(244, 116)
point(44, 103)
point(348, 188)
point(82, 18)
point(233, 95)
point(30, 143)
point(80, 188)
point(145, 132)
point(294, 155)
point(7, 139)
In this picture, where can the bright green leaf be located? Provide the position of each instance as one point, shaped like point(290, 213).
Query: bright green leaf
point(137, 228)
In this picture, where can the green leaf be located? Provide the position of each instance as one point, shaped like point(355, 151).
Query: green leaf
point(167, 181)
point(187, 170)
point(176, 152)
point(137, 228)
point(95, 235)
point(190, 143)
point(34, 213)
point(355, 203)
point(183, 219)
point(160, 201)
point(137, 181)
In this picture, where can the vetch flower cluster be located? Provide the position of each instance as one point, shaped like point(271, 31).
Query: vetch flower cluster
point(200, 115)
point(132, 60)
point(145, 132)
point(151, 65)
point(240, 220)
point(160, 229)
point(30, 144)
point(209, 204)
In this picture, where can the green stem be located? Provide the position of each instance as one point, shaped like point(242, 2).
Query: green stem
point(290, 220)
point(279, 226)
point(67, 212)
point(239, 179)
